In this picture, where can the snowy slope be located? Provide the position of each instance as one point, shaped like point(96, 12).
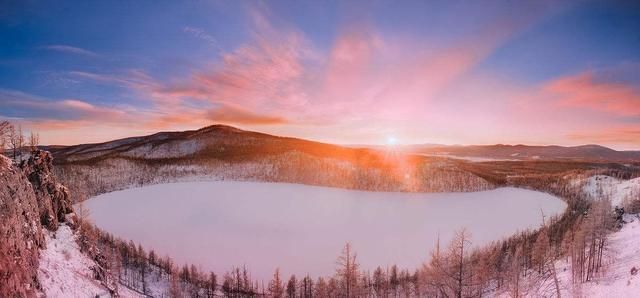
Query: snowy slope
point(617, 281)
point(618, 190)
point(65, 272)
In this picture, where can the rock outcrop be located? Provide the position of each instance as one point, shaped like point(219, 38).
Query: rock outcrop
point(53, 198)
point(30, 199)
point(20, 233)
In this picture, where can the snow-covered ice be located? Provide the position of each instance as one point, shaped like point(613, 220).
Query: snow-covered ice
point(303, 228)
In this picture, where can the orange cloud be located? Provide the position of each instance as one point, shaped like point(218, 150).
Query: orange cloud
point(585, 92)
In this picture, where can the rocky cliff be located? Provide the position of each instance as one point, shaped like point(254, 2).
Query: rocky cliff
point(30, 199)
point(53, 198)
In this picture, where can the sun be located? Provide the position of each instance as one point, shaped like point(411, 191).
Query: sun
point(392, 141)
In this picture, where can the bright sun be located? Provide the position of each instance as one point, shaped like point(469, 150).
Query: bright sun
point(391, 141)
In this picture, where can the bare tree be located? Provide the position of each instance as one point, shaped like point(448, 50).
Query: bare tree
point(347, 271)
point(514, 273)
point(459, 270)
point(34, 140)
point(276, 289)
point(16, 139)
point(306, 287)
point(175, 290)
point(380, 287)
point(434, 274)
point(5, 127)
point(321, 289)
point(292, 285)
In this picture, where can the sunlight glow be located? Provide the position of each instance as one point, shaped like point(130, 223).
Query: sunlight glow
point(391, 141)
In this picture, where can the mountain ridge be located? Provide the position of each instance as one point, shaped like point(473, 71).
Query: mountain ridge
point(592, 152)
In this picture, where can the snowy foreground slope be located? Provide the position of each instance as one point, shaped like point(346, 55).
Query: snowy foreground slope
point(64, 271)
point(618, 280)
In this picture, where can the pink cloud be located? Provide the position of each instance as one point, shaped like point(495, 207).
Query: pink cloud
point(584, 91)
point(229, 114)
point(366, 85)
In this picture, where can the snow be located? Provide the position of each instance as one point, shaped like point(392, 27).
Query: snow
point(303, 228)
point(622, 254)
point(166, 150)
point(615, 280)
point(64, 271)
point(111, 145)
point(5, 162)
point(618, 190)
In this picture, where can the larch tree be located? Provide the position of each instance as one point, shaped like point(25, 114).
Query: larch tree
point(347, 271)
point(380, 288)
point(306, 287)
point(275, 285)
point(16, 140)
point(5, 127)
point(459, 274)
point(292, 286)
point(34, 140)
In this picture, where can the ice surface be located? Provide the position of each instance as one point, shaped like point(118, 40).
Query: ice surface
point(302, 229)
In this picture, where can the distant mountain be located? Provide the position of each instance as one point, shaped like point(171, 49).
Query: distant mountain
point(217, 141)
point(525, 152)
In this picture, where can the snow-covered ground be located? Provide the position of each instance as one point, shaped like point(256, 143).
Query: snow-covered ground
point(615, 280)
point(303, 228)
point(599, 186)
point(65, 272)
point(622, 255)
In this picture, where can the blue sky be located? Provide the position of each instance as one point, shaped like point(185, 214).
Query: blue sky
point(538, 72)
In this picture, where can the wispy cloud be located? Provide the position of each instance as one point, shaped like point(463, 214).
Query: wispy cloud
point(71, 50)
point(36, 107)
point(365, 81)
point(203, 35)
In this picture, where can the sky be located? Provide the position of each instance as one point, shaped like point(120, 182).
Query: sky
point(346, 72)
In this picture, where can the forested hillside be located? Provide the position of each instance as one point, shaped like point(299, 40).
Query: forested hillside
point(222, 152)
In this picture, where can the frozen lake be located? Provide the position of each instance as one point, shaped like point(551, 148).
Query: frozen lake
point(302, 229)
